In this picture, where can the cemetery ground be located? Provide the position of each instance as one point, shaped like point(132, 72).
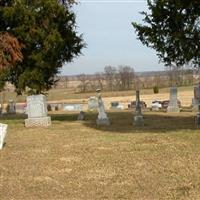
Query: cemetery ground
point(78, 160)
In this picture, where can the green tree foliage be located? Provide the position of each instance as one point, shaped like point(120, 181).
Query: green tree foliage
point(172, 28)
point(155, 89)
point(47, 28)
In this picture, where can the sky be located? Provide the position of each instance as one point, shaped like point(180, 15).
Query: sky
point(110, 37)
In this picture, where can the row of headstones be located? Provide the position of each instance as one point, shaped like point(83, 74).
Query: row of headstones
point(37, 111)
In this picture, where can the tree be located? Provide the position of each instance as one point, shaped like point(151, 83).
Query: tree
point(126, 75)
point(84, 82)
point(10, 51)
point(172, 28)
point(110, 74)
point(99, 77)
point(47, 28)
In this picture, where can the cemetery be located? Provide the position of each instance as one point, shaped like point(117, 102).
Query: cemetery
point(117, 134)
point(66, 149)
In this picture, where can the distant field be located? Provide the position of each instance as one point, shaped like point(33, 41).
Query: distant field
point(80, 161)
point(185, 94)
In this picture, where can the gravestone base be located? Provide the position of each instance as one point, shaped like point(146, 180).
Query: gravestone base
point(155, 108)
point(38, 122)
point(103, 122)
point(138, 120)
point(173, 109)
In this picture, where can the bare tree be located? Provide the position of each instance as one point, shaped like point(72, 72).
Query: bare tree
point(100, 79)
point(126, 75)
point(110, 74)
point(84, 82)
point(66, 80)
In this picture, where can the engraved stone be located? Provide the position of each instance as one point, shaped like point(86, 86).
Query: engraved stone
point(3, 132)
point(102, 119)
point(11, 107)
point(92, 103)
point(81, 116)
point(37, 111)
point(173, 102)
point(138, 118)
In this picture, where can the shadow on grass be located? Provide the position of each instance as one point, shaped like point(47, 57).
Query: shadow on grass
point(122, 122)
point(13, 118)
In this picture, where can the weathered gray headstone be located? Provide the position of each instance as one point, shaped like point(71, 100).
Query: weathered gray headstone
point(81, 116)
point(173, 102)
point(102, 116)
point(37, 111)
point(114, 104)
point(3, 132)
point(138, 118)
point(11, 107)
point(196, 99)
point(92, 103)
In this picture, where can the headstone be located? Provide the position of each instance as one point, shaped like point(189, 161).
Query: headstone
point(81, 116)
point(173, 102)
point(196, 99)
point(102, 119)
point(20, 108)
point(3, 132)
point(37, 111)
point(92, 103)
point(114, 104)
point(11, 107)
point(138, 118)
point(72, 107)
point(156, 105)
point(54, 106)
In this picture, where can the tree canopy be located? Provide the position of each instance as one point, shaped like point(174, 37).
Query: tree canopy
point(172, 28)
point(47, 28)
point(10, 51)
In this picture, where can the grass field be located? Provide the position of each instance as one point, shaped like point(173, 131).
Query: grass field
point(74, 160)
point(68, 94)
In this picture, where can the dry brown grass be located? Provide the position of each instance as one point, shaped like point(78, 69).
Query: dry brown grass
point(78, 160)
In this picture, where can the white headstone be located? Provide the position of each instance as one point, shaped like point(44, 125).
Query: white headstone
point(3, 132)
point(37, 111)
point(102, 116)
point(92, 103)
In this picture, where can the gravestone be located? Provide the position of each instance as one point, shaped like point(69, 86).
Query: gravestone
point(3, 132)
point(173, 101)
point(102, 119)
point(114, 104)
point(11, 109)
point(196, 99)
point(81, 116)
point(92, 103)
point(138, 118)
point(37, 111)
point(72, 107)
point(20, 108)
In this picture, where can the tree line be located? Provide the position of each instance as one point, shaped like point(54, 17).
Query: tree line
point(124, 78)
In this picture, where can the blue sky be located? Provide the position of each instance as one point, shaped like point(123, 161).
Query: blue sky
point(110, 37)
